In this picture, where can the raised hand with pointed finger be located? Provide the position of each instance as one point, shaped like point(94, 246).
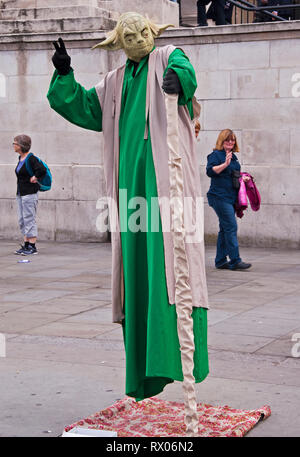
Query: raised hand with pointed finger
point(61, 59)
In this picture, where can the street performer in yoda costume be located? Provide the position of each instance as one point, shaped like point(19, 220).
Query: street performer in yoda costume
point(128, 106)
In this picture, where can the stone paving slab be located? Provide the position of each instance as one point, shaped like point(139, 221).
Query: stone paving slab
point(283, 346)
point(65, 305)
point(35, 295)
point(69, 350)
point(72, 329)
point(103, 281)
point(42, 396)
point(5, 307)
point(286, 307)
point(66, 285)
point(94, 294)
point(244, 343)
point(253, 367)
point(248, 294)
point(250, 323)
point(96, 316)
point(65, 359)
point(218, 302)
point(21, 321)
point(215, 316)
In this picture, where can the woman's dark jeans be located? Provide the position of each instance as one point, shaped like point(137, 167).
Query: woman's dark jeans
point(227, 244)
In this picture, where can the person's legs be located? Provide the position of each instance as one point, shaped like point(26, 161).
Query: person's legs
point(220, 12)
point(30, 240)
point(228, 12)
point(20, 214)
point(210, 13)
point(179, 7)
point(221, 255)
point(29, 204)
point(201, 12)
point(21, 222)
point(227, 240)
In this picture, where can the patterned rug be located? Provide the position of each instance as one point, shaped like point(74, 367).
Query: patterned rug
point(155, 417)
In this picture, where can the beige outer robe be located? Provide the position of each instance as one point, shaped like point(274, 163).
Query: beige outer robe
point(109, 91)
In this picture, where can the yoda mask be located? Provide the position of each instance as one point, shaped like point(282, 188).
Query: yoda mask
point(133, 33)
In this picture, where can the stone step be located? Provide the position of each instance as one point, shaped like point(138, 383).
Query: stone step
point(26, 14)
point(82, 24)
point(160, 11)
point(45, 3)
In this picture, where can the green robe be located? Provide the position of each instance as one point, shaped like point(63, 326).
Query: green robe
point(150, 324)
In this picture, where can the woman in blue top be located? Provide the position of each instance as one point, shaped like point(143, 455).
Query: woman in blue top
point(222, 165)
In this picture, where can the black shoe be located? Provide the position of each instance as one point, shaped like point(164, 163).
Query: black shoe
point(241, 266)
point(29, 251)
point(19, 251)
point(183, 24)
point(225, 266)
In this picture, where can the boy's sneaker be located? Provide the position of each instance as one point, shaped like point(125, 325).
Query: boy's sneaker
point(19, 251)
point(30, 250)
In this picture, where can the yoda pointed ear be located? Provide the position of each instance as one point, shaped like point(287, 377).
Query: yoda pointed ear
point(112, 42)
point(158, 29)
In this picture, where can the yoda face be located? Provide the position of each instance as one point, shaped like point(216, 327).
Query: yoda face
point(133, 33)
point(136, 38)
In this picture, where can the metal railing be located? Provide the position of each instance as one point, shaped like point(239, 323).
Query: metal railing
point(248, 11)
point(245, 12)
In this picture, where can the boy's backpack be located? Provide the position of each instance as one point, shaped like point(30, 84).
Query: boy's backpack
point(46, 181)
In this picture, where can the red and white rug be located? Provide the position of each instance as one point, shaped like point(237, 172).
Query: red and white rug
point(155, 417)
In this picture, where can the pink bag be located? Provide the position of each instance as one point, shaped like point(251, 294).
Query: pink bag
point(247, 190)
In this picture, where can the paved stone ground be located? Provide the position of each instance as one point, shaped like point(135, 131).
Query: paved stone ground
point(65, 360)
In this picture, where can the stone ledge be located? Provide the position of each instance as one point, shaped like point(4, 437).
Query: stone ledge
point(179, 36)
point(45, 26)
point(232, 33)
point(62, 12)
point(42, 3)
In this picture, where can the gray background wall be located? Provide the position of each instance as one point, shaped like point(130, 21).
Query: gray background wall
point(244, 83)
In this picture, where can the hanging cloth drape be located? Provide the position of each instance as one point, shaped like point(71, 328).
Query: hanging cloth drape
point(183, 294)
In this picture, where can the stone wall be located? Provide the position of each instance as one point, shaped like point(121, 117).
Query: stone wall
point(244, 82)
point(161, 11)
point(253, 87)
